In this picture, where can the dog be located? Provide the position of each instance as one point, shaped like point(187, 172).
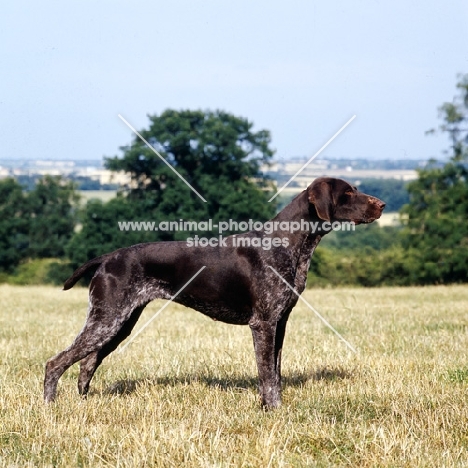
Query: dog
point(241, 284)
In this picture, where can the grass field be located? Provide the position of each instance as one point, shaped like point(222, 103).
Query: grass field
point(184, 392)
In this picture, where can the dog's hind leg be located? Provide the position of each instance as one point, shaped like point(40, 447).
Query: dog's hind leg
point(58, 364)
point(102, 326)
point(90, 363)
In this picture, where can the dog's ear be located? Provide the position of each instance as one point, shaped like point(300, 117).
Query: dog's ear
point(320, 195)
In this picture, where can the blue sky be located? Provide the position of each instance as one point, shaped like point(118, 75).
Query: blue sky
point(300, 69)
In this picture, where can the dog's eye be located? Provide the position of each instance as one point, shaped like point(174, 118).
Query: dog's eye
point(349, 192)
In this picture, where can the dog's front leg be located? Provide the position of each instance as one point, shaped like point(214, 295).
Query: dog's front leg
point(264, 344)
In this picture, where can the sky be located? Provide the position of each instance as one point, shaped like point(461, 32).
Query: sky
point(300, 69)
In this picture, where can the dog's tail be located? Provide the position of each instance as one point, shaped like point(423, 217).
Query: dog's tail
point(79, 272)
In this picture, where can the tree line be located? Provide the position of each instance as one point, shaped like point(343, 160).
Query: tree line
point(220, 156)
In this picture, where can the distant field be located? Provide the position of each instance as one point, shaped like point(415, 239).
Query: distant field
point(189, 386)
point(103, 195)
point(389, 219)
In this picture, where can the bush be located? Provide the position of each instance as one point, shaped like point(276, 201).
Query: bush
point(30, 272)
point(39, 271)
point(58, 272)
point(361, 267)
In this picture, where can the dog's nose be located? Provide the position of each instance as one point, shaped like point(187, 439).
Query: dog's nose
point(375, 201)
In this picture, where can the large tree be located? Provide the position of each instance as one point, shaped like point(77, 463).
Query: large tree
point(437, 231)
point(217, 153)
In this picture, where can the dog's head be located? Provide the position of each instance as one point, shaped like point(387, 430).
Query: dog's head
point(336, 200)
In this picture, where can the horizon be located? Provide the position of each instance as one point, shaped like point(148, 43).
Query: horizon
point(274, 159)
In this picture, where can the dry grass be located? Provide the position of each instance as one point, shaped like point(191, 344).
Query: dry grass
point(184, 393)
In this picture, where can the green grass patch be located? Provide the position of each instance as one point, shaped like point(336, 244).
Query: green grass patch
point(457, 375)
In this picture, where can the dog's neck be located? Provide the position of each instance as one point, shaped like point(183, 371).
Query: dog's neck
point(303, 241)
point(299, 211)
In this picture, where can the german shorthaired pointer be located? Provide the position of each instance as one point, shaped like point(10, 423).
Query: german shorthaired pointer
point(237, 286)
